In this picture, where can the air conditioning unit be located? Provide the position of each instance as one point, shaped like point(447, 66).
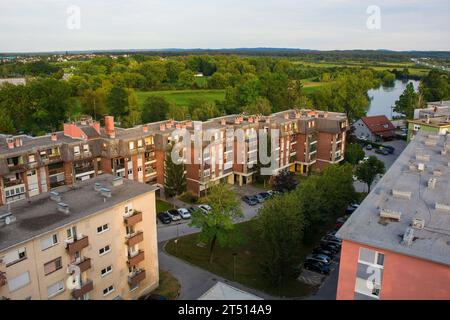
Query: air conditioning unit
point(390, 214)
point(432, 183)
point(421, 167)
point(418, 223)
point(105, 192)
point(408, 237)
point(401, 194)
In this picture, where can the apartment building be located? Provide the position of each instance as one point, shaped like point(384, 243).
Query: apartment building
point(29, 166)
point(434, 119)
point(396, 245)
point(93, 240)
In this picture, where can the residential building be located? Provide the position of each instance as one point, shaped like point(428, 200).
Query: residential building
point(99, 234)
point(434, 119)
point(309, 140)
point(396, 245)
point(374, 128)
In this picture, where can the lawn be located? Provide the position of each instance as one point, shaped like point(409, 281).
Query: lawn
point(247, 261)
point(182, 97)
point(162, 205)
point(169, 286)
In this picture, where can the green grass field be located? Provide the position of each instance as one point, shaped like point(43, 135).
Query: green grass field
point(182, 97)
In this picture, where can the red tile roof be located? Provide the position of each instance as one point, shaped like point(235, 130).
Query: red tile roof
point(379, 125)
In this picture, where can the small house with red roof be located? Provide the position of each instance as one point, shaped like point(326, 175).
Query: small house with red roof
point(374, 128)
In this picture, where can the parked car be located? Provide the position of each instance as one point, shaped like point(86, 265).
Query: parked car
point(331, 241)
point(332, 238)
point(317, 267)
point(164, 217)
point(184, 213)
point(265, 195)
point(320, 250)
point(250, 200)
point(350, 210)
point(340, 222)
point(174, 215)
point(382, 151)
point(369, 147)
point(205, 208)
point(273, 192)
point(390, 149)
point(259, 198)
point(192, 210)
point(319, 258)
point(331, 247)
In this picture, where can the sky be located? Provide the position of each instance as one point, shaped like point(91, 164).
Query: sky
point(60, 25)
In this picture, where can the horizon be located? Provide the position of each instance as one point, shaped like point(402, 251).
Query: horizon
point(329, 25)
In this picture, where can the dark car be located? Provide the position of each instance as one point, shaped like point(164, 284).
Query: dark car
point(330, 247)
point(191, 210)
point(323, 251)
point(382, 151)
point(250, 200)
point(331, 241)
point(265, 195)
point(369, 147)
point(350, 210)
point(316, 266)
point(390, 149)
point(164, 217)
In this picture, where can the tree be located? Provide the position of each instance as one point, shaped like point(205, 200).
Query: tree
point(155, 109)
point(388, 79)
point(117, 101)
point(217, 226)
point(203, 110)
point(407, 102)
point(368, 170)
point(154, 73)
point(133, 113)
point(285, 180)
point(259, 106)
point(186, 79)
point(354, 153)
point(93, 102)
point(174, 177)
point(280, 229)
point(435, 86)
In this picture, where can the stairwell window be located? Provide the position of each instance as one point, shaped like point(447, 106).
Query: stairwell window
point(108, 290)
point(102, 228)
point(104, 250)
point(106, 271)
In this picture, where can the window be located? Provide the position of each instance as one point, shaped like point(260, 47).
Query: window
point(19, 281)
point(104, 250)
point(131, 144)
point(31, 158)
point(106, 271)
point(71, 233)
point(368, 256)
point(76, 150)
point(139, 143)
point(108, 290)
point(128, 209)
point(52, 266)
point(103, 228)
point(55, 289)
point(86, 148)
point(49, 242)
point(15, 256)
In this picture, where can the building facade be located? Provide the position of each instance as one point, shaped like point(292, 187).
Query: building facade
point(374, 128)
point(435, 119)
point(96, 240)
point(29, 166)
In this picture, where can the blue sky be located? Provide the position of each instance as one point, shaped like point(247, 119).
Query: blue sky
point(41, 25)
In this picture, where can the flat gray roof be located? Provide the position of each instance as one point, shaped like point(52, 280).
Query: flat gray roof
point(39, 214)
point(433, 241)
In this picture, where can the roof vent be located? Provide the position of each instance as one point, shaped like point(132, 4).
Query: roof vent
point(97, 186)
point(7, 218)
point(401, 194)
point(55, 196)
point(63, 208)
point(408, 237)
point(421, 166)
point(432, 183)
point(118, 181)
point(105, 192)
point(443, 207)
point(418, 223)
point(390, 214)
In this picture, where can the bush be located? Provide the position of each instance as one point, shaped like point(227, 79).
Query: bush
point(189, 197)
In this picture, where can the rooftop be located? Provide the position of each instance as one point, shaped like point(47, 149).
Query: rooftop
point(40, 215)
point(378, 124)
point(406, 189)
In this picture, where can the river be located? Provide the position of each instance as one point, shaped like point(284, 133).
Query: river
point(383, 98)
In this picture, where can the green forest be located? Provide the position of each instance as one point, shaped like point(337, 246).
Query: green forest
point(140, 88)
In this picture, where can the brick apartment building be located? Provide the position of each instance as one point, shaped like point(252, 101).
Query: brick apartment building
point(29, 166)
point(104, 227)
point(396, 245)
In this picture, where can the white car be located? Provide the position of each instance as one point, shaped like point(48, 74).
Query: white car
point(205, 208)
point(184, 213)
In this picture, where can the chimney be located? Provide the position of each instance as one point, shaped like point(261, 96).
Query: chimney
point(223, 121)
point(54, 137)
point(109, 127)
point(145, 128)
point(18, 142)
point(162, 127)
point(10, 142)
point(95, 125)
point(178, 126)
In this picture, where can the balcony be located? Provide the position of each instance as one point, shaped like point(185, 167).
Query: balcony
point(84, 264)
point(3, 279)
point(12, 183)
point(136, 277)
point(135, 259)
point(32, 165)
point(86, 287)
point(133, 218)
point(134, 238)
point(77, 245)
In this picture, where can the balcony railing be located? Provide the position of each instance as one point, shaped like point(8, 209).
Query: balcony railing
point(12, 183)
point(84, 264)
point(135, 259)
point(134, 238)
point(136, 277)
point(133, 218)
point(77, 245)
point(86, 287)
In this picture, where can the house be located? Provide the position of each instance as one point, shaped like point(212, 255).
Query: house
point(374, 128)
point(395, 246)
point(434, 119)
